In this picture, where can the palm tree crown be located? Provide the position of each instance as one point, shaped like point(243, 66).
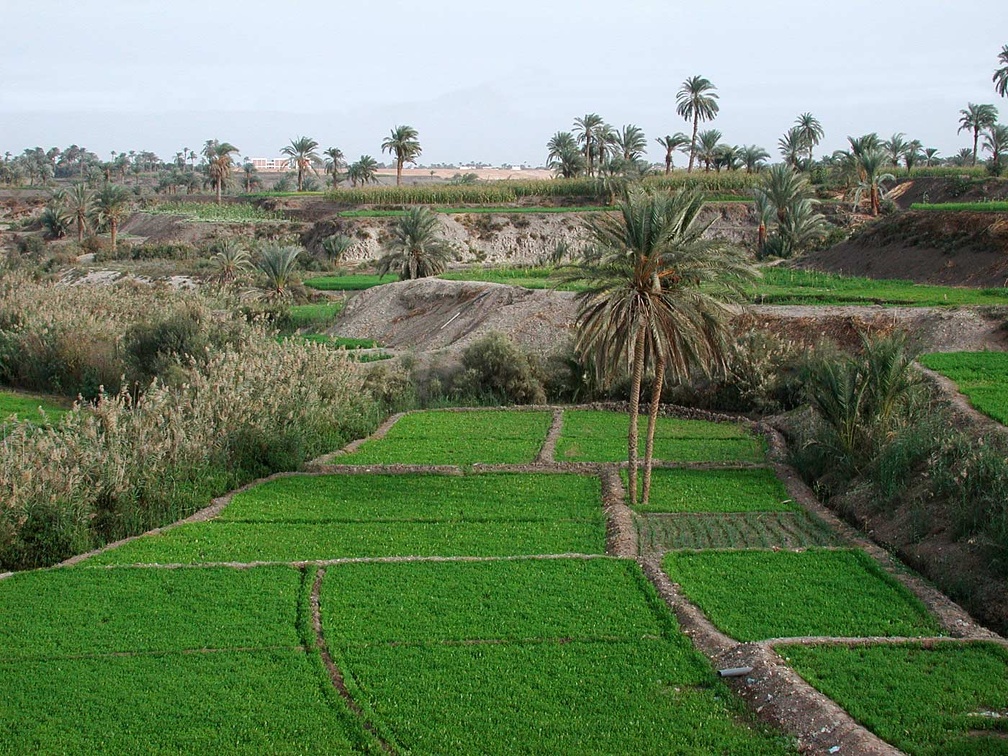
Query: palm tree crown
point(417, 248)
point(587, 130)
point(302, 156)
point(334, 163)
point(1001, 74)
point(364, 171)
point(671, 144)
point(810, 130)
point(405, 145)
point(219, 162)
point(696, 100)
point(111, 203)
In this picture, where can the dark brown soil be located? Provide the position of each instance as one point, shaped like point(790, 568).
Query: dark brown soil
point(952, 248)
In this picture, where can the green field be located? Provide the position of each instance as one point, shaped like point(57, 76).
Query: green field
point(974, 207)
point(457, 438)
point(981, 376)
point(230, 213)
point(716, 491)
point(349, 282)
point(796, 594)
point(60, 613)
point(486, 497)
point(316, 316)
point(948, 700)
point(731, 530)
point(523, 600)
point(785, 286)
point(26, 407)
point(598, 436)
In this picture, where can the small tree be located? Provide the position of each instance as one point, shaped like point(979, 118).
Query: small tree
point(417, 248)
point(111, 204)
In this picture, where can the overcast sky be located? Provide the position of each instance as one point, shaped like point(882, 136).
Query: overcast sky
point(481, 81)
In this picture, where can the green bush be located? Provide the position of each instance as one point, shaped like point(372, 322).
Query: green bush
point(495, 366)
point(153, 348)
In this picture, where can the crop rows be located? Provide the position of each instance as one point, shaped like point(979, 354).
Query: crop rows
point(658, 533)
point(990, 206)
point(230, 213)
point(981, 376)
point(731, 490)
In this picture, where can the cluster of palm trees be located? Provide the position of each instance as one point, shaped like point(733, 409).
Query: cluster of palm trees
point(595, 148)
point(789, 222)
point(982, 120)
point(85, 209)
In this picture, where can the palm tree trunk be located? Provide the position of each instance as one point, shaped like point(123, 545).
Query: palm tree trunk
point(692, 149)
point(976, 138)
point(635, 386)
point(668, 163)
point(656, 390)
point(398, 172)
point(875, 204)
point(112, 227)
point(762, 236)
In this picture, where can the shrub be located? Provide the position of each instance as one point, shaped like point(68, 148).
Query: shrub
point(152, 348)
point(495, 366)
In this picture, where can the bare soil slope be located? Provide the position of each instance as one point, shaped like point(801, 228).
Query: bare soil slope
point(955, 248)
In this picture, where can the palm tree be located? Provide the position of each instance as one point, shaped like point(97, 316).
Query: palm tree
point(784, 203)
point(791, 146)
point(696, 99)
point(586, 129)
point(111, 203)
point(219, 162)
point(671, 144)
point(80, 201)
point(564, 158)
point(871, 164)
point(231, 260)
point(334, 163)
point(417, 248)
point(364, 171)
point(811, 131)
point(631, 142)
point(402, 143)
point(912, 154)
point(1001, 75)
point(278, 264)
point(996, 143)
point(895, 147)
point(301, 155)
point(706, 146)
point(337, 246)
point(250, 175)
point(931, 156)
point(655, 291)
point(977, 118)
point(753, 158)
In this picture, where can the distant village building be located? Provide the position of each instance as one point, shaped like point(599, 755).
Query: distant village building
point(270, 165)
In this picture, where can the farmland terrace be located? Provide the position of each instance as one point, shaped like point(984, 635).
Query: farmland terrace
point(477, 581)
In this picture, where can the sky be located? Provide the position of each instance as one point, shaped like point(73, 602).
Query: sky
point(487, 82)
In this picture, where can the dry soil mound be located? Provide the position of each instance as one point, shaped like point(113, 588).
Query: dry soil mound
point(430, 314)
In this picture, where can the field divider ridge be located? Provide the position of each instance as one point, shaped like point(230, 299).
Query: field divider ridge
point(548, 450)
point(621, 528)
point(335, 675)
point(300, 564)
point(952, 617)
point(773, 690)
point(876, 640)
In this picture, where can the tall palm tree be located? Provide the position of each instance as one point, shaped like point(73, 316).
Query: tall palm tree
point(586, 129)
point(364, 171)
point(696, 100)
point(895, 147)
point(871, 164)
point(631, 142)
point(335, 162)
point(80, 202)
point(655, 295)
point(996, 143)
point(1001, 75)
point(931, 156)
point(564, 158)
point(706, 146)
point(111, 204)
point(811, 131)
point(417, 248)
point(404, 144)
point(912, 154)
point(975, 119)
point(671, 144)
point(754, 158)
point(219, 162)
point(791, 146)
point(302, 155)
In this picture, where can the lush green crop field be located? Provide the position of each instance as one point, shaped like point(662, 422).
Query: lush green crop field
point(716, 491)
point(66, 612)
point(26, 407)
point(419, 498)
point(230, 213)
point(937, 701)
point(567, 697)
point(458, 438)
point(597, 436)
point(753, 595)
point(974, 207)
point(227, 702)
point(319, 315)
point(529, 599)
point(498, 210)
point(350, 282)
point(981, 376)
point(784, 286)
point(291, 542)
point(732, 530)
